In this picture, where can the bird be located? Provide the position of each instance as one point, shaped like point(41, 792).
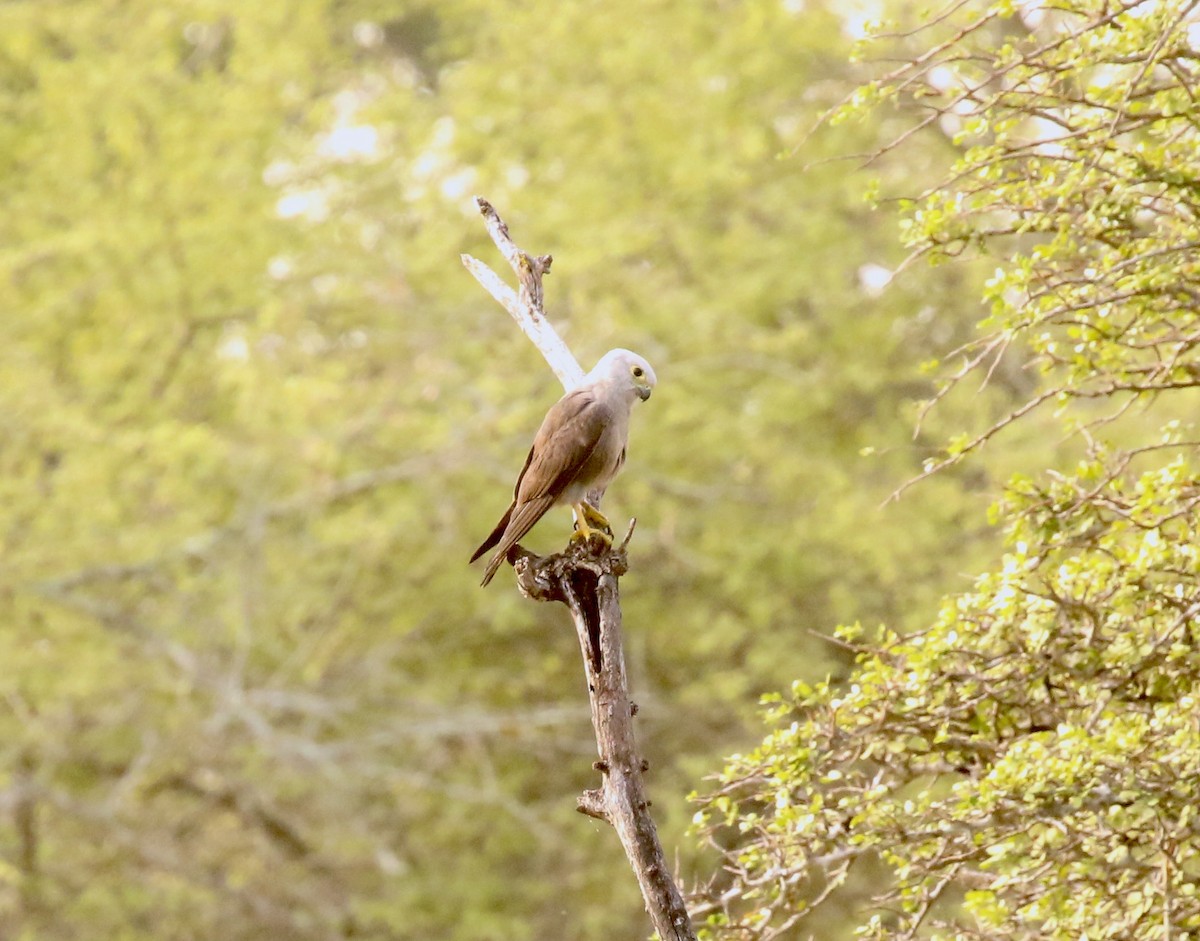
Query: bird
point(580, 447)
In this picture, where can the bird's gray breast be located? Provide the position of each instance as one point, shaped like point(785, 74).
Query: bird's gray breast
point(605, 459)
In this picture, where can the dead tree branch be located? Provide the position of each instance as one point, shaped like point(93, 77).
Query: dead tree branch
point(584, 577)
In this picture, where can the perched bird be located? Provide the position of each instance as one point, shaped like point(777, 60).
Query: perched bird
point(579, 448)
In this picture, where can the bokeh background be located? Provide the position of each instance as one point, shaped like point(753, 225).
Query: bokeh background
point(254, 417)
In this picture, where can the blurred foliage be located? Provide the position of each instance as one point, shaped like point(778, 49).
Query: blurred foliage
point(1026, 766)
point(254, 417)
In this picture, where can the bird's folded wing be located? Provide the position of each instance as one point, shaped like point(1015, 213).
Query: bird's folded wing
point(569, 435)
point(564, 444)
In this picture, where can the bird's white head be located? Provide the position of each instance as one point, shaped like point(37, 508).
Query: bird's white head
point(626, 370)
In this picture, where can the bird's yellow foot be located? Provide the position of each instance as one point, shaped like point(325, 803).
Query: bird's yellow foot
point(590, 522)
point(584, 532)
point(591, 517)
point(579, 539)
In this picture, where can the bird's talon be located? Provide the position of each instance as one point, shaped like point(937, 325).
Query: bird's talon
point(583, 535)
point(594, 518)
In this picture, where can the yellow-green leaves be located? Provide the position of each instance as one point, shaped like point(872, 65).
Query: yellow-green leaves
point(1034, 751)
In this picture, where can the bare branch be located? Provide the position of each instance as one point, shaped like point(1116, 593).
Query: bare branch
point(584, 578)
point(526, 307)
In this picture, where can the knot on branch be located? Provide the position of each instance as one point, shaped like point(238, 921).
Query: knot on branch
point(534, 265)
point(591, 802)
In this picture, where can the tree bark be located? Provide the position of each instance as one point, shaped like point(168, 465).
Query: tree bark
point(584, 577)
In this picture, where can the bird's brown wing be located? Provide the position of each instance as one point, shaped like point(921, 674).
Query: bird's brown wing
point(568, 436)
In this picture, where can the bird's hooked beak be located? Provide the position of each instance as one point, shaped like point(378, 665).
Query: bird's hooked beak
point(643, 392)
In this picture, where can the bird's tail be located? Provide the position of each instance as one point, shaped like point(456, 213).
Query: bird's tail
point(492, 567)
point(495, 537)
point(517, 521)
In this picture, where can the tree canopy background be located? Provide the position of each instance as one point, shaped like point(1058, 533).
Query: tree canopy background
point(254, 417)
point(1025, 766)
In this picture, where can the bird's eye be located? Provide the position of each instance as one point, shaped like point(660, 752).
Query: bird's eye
point(638, 372)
